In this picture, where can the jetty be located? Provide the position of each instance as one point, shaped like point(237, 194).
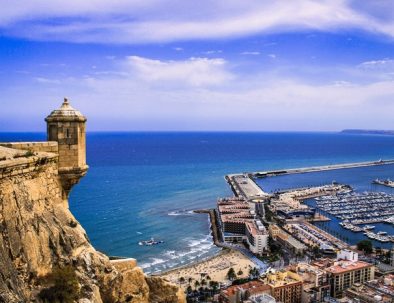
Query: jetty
point(243, 184)
point(263, 174)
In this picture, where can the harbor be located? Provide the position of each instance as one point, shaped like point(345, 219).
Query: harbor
point(347, 212)
point(357, 210)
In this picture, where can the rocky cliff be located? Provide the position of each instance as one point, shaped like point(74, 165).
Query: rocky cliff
point(38, 233)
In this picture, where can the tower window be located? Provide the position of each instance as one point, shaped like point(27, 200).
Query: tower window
point(67, 133)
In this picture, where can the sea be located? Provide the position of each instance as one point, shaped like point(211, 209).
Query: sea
point(143, 185)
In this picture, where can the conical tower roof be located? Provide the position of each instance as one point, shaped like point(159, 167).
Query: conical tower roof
point(65, 113)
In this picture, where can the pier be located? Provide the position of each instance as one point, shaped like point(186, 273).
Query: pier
point(244, 186)
point(273, 173)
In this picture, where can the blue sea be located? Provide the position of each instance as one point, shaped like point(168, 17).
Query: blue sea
point(143, 185)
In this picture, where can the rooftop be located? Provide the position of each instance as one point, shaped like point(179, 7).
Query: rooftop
point(253, 287)
point(345, 266)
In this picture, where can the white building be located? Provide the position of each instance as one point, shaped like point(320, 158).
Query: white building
point(346, 254)
point(264, 298)
point(257, 237)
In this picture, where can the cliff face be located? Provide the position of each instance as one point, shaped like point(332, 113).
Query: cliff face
point(39, 233)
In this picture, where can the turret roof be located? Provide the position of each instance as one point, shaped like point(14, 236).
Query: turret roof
point(65, 112)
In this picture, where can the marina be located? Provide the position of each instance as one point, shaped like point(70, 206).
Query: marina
point(358, 208)
point(368, 207)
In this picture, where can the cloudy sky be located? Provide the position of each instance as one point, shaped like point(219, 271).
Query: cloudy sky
point(294, 65)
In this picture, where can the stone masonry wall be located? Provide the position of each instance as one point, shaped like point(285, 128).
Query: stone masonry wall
point(47, 146)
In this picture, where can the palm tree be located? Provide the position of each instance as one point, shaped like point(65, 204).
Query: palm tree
point(240, 272)
point(203, 282)
point(196, 284)
point(181, 280)
point(231, 274)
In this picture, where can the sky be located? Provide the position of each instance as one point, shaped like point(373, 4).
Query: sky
point(234, 65)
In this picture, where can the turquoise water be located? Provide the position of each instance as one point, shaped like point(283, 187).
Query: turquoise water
point(143, 185)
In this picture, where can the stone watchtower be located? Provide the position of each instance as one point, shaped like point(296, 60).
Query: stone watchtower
point(67, 127)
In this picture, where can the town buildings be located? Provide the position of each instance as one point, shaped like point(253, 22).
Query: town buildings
point(286, 240)
point(238, 223)
point(344, 273)
point(316, 284)
point(261, 299)
point(240, 293)
point(286, 286)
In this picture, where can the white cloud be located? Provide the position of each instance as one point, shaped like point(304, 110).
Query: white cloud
point(210, 52)
point(47, 80)
point(162, 21)
point(378, 64)
point(250, 53)
point(272, 56)
point(186, 94)
point(194, 71)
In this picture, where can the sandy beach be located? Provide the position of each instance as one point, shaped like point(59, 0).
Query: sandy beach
point(215, 267)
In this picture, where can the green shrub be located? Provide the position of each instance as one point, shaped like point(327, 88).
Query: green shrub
point(62, 286)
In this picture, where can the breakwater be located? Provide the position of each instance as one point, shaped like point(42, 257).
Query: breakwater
point(244, 185)
point(263, 174)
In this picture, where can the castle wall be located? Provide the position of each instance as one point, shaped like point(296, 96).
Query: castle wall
point(47, 146)
point(38, 233)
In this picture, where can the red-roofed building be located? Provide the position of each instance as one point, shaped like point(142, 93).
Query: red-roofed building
point(344, 274)
point(239, 293)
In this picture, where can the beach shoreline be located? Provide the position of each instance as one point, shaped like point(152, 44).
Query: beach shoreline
point(215, 267)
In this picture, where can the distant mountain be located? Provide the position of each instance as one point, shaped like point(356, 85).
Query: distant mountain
point(368, 131)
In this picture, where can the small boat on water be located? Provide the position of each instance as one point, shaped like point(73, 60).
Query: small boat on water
point(150, 242)
point(368, 227)
point(382, 233)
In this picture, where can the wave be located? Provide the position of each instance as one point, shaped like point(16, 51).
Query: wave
point(197, 248)
point(181, 213)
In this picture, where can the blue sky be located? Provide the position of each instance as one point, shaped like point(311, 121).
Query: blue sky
point(199, 65)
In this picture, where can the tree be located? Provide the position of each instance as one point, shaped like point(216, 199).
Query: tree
point(189, 289)
point(181, 280)
point(63, 286)
point(231, 274)
point(203, 282)
point(253, 272)
point(214, 285)
point(196, 284)
point(240, 272)
point(190, 280)
point(365, 246)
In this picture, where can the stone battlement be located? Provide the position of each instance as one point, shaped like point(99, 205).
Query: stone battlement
point(66, 133)
point(45, 146)
point(19, 163)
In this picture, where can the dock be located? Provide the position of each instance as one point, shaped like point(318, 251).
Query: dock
point(243, 184)
point(272, 173)
point(263, 174)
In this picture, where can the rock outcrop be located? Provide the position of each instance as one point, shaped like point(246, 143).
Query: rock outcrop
point(38, 233)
